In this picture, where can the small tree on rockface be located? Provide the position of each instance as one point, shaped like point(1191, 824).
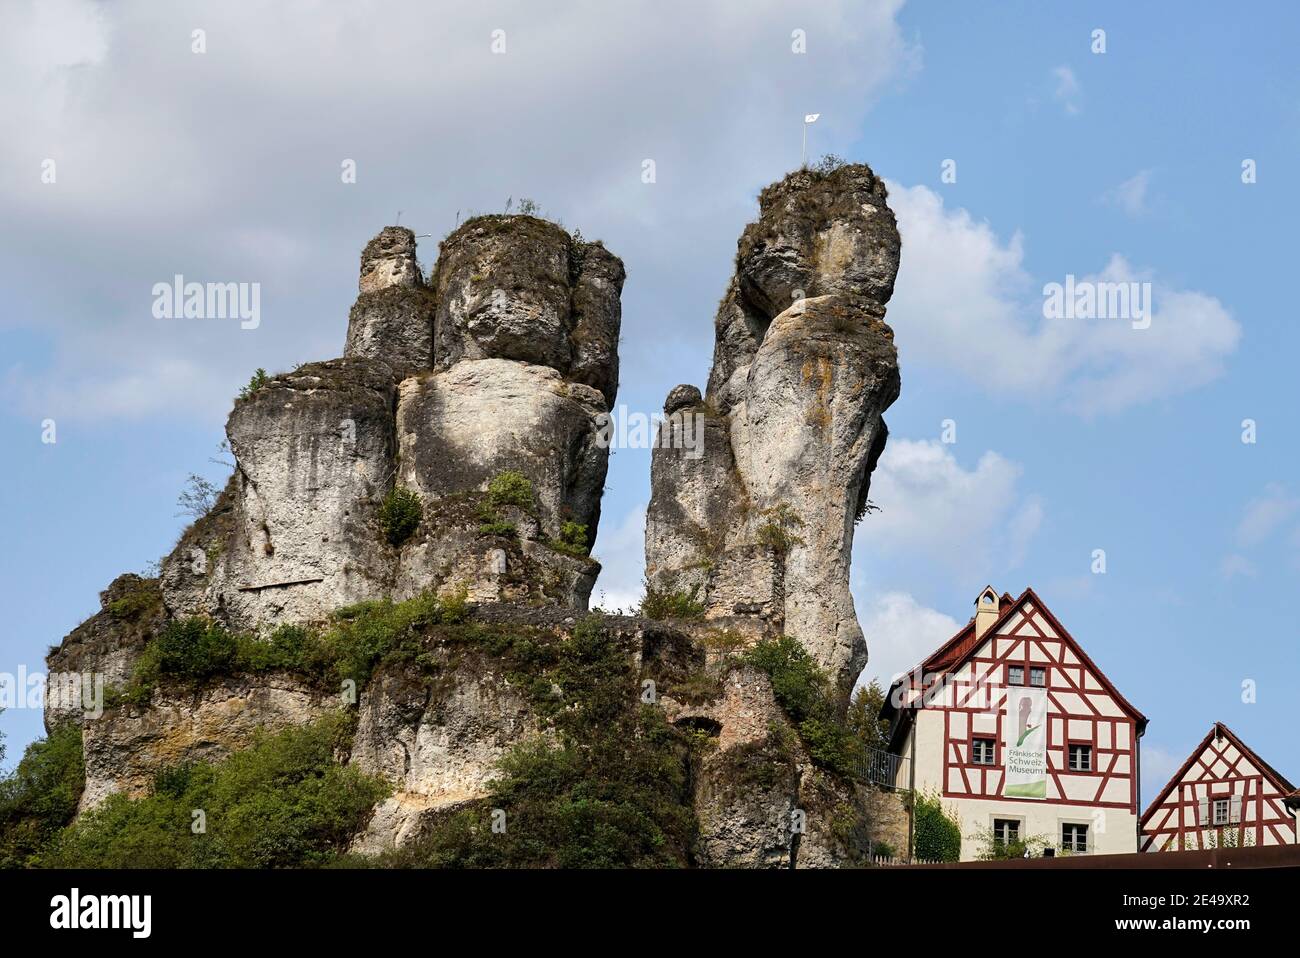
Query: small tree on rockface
point(863, 716)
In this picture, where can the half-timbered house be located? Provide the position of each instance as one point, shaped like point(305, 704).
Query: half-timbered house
point(1223, 796)
point(1020, 733)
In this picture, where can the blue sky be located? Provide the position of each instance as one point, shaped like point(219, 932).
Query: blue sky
point(1070, 438)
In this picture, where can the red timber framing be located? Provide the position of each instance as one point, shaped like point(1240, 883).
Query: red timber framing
point(967, 679)
point(1260, 802)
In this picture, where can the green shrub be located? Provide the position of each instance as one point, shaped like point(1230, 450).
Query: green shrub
point(290, 648)
point(361, 635)
point(669, 604)
point(281, 803)
point(40, 796)
point(355, 640)
point(194, 648)
point(828, 164)
point(136, 603)
point(400, 514)
point(993, 849)
point(572, 540)
point(864, 715)
point(808, 698)
point(511, 488)
point(497, 527)
point(256, 382)
point(937, 837)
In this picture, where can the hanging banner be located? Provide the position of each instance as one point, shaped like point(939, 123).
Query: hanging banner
point(1024, 743)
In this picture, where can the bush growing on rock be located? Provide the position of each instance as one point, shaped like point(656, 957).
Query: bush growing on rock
point(255, 382)
point(355, 640)
point(808, 697)
point(400, 514)
point(284, 802)
point(511, 488)
point(666, 604)
point(572, 540)
point(777, 531)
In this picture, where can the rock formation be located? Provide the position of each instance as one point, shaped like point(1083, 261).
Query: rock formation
point(761, 525)
point(482, 390)
point(503, 364)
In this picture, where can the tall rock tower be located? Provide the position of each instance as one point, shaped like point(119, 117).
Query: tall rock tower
point(760, 526)
point(503, 362)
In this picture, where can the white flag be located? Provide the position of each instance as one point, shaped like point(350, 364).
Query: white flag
point(811, 117)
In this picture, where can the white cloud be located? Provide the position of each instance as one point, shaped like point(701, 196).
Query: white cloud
point(1131, 195)
point(1265, 515)
point(230, 169)
point(975, 523)
point(1068, 92)
point(621, 551)
point(900, 633)
point(964, 301)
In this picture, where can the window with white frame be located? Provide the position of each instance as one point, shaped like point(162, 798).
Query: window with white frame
point(1015, 675)
point(1074, 837)
point(1006, 830)
point(982, 751)
point(1222, 811)
point(1038, 676)
point(1080, 758)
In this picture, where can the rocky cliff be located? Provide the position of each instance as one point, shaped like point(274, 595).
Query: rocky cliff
point(405, 540)
point(761, 525)
point(500, 365)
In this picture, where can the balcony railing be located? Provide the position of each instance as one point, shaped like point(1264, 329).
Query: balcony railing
point(882, 768)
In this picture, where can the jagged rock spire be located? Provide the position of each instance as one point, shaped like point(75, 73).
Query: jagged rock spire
point(761, 524)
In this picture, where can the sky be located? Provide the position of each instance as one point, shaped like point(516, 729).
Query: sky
point(1025, 450)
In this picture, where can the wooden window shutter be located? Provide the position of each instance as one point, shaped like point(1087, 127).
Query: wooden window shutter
point(1203, 814)
point(1234, 810)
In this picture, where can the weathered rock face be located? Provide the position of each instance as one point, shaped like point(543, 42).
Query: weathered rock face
point(389, 260)
point(517, 287)
point(128, 745)
point(439, 745)
point(521, 369)
point(100, 652)
point(392, 319)
point(459, 427)
point(507, 361)
point(295, 535)
point(759, 799)
point(804, 366)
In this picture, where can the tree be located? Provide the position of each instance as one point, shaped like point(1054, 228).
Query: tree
point(864, 715)
point(198, 497)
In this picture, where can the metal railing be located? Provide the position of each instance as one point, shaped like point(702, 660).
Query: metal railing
point(882, 768)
